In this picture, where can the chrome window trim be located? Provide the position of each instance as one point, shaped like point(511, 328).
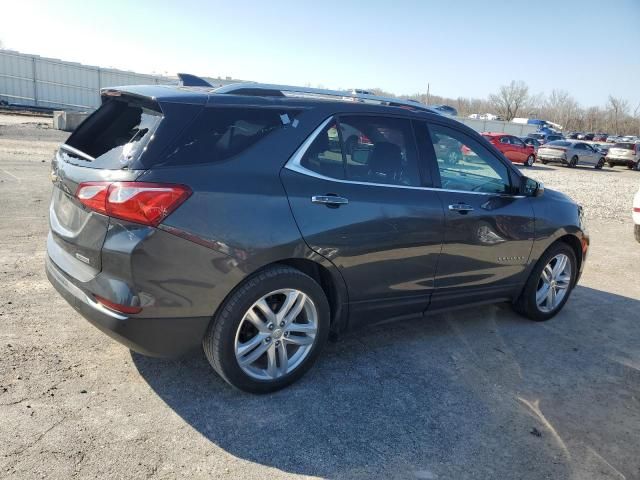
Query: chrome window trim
point(294, 165)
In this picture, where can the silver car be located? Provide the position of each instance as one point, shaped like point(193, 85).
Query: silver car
point(570, 153)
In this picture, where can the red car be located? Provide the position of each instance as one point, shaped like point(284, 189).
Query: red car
point(512, 147)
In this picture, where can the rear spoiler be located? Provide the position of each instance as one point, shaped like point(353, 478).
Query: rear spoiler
point(188, 80)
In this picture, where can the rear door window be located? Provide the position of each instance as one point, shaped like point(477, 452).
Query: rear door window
point(115, 135)
point(379, 150)
point(324, 155)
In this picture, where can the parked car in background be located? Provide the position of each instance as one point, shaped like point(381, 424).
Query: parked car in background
point(612, 138)
point(636, 215)
point(600, 137)
point(221, 233)
point(624, 153)
point(602, 147)
point(512, 147)
point(571, 153)
point(531, 141)
point(543, 138)
point(573, 135)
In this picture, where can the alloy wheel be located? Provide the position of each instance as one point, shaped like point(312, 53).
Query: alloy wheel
point(276, 334)
point(554, 283)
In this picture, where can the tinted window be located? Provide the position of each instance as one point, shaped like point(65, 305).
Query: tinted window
point(558, 143)
point(626, 146)
point(504, 140)
point(517, 141)
point(580, 146)
point(222, 133)
point(324, 155)
point(379, 150)
point(465, 165)
point(116, 134)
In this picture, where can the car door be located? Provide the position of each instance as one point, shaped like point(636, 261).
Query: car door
point(592, 155)
point(581, 150)
point(489, 226)
point(367, 211)
point(520, 149)
point(506, 147)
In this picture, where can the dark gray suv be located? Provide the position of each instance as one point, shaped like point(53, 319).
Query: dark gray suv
point(258, 220)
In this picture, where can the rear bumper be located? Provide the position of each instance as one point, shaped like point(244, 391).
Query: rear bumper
point(158, 337)
point(620, 161)
point(551, 159)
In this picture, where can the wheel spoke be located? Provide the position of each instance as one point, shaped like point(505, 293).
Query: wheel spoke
point(295, 303)
point(542, 293)
point(256, 321)
point(302, 328)
point(283, 359)
point(560, 265)
point(254, 355)
point(265, 309)
point(272, 367)
point(246, 347)
point(297, 340)
point(547, 274)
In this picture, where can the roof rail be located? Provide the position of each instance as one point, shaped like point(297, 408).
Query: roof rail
point(269, 90)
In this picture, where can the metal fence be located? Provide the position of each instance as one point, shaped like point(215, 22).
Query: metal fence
point(37, 81)
point(518, 129)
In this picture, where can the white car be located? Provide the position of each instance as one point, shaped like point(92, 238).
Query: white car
point(636, 214)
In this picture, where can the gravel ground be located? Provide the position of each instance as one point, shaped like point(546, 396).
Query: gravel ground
point(467, 395)
point(605, 194)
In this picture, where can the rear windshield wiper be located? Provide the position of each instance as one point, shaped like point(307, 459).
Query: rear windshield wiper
point(76, 152)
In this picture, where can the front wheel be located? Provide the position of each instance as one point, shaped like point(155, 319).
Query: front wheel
point(550, 283)
point(600, 164)
point(529, 161)
point(611, 164)
point(269, 332)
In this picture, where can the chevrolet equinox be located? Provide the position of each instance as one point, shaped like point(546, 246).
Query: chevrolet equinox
point(258, 220)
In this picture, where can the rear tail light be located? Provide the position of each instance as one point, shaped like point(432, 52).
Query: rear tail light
point(140, 202)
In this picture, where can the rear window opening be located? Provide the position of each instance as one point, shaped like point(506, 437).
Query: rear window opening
point(115, 135)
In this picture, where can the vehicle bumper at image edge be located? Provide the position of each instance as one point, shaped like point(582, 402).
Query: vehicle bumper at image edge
point(157, 337)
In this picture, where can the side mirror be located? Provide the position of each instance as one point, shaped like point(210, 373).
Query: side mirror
point(531, 188)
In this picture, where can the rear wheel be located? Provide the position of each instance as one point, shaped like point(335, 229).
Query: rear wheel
point(550, 283)
point(600, 164)
point(636, 229)
point(573, 162)
point(269, 332)
point(611, 164)
point(529, 161)
point(544, 162)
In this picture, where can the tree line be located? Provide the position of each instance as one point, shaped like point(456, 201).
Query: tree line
point(618, 116)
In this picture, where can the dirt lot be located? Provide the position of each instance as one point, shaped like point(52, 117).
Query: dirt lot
point(472, 394)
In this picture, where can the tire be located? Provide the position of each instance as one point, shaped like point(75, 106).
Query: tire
point(544, 162)
point(526, 303)
point(630, 166)
point(223, 338)
point(636, 231)
point(529, 161)
point(611, 164)
point(574, 162)
point(600, 164)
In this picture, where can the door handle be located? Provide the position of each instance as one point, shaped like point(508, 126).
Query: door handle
point(330, 200)
point(461, 208)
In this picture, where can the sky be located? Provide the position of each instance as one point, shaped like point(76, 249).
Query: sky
point(462, 48)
